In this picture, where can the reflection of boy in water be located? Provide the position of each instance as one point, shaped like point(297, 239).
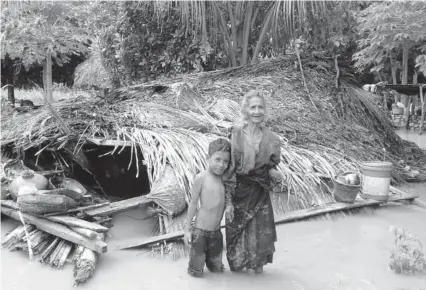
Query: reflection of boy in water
point(205, 237)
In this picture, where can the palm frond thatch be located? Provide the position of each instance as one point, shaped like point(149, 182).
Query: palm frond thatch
point(91, 72)
point(315, 146)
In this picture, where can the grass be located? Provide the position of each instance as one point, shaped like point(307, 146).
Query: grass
point(59, 92)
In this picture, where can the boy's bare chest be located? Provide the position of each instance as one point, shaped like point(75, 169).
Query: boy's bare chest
point(213, 193)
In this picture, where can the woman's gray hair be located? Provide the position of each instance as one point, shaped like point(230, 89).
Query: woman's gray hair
point(246, 100)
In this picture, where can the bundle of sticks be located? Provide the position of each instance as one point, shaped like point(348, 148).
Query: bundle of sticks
point(57, 240)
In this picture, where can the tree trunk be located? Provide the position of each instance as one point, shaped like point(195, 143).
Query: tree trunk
point(259, 44)
point(204, 37)
point(228, 38)
point(10, 87)
point(393, 69)
point(44, 73)
point(11, 94)
point(234, 43)
point(422, 100)
point(247, 25)
point(407, 125)
point(336, 65)
point(253, 19)
point(405, 51)
point(380, 76)
point(47, 77)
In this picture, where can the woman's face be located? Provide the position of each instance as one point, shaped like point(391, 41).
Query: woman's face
point(255, 111)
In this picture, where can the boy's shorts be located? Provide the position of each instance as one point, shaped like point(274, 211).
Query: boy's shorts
point(206, 248)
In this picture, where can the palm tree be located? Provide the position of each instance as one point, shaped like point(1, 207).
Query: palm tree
point(242, 27)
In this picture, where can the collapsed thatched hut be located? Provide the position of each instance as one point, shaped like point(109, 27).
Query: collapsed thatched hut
point(121, 144)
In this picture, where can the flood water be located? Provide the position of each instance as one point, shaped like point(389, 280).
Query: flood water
point(410, 135)
point(349, 253)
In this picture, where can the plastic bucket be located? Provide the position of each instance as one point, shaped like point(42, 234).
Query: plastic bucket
point(377, 176)
point(346, 193)
point(397, 111)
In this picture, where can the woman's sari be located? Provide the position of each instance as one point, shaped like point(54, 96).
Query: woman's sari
point(251, 235)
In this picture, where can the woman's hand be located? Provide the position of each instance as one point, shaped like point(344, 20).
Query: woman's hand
point(276, 175)
point(229, 213)
point(187, 238)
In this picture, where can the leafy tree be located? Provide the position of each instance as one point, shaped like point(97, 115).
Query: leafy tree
point(187, 35)
point(35, 33)
point(147, 39)
point(390, 29)
point(243, 27)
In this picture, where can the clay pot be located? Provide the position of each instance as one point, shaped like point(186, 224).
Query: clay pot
point(27, 178)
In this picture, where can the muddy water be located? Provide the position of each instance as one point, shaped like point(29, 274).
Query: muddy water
point(409, 135)
point(349, 253)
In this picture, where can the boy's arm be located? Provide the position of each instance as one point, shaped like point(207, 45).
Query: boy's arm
point(195, 195)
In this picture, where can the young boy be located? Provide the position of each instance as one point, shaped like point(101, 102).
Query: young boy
point(205, 237)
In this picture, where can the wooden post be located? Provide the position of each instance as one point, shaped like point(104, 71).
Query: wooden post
point(422, 100)
point(407, 125)
point(49, 77)
point(11, 94)
point(385, 102)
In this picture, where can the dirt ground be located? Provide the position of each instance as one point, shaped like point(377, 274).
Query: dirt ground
point(349, 253)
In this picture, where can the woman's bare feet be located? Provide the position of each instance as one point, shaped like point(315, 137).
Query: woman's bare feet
point(259, 270)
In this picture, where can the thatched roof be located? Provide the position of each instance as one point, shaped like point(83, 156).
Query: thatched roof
point(162, 119)
point(92, 72)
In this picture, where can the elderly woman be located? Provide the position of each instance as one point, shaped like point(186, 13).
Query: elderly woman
point(250, 229)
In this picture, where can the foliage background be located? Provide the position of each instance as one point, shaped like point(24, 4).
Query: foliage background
point(147, 40)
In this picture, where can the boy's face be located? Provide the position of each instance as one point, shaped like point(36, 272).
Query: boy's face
point(219, 162)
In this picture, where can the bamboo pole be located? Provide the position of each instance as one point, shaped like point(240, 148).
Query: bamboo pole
point(48, 250)
point(422, 99)
point(303, 78)
point(59, 230)
point(67, 250)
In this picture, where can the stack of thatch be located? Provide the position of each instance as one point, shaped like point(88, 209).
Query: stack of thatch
point(163, 121)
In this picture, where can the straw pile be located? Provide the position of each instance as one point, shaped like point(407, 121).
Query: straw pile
point(92, 72)
point(172, 121)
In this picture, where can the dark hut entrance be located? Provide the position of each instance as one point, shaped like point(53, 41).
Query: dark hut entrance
point(113, 175)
